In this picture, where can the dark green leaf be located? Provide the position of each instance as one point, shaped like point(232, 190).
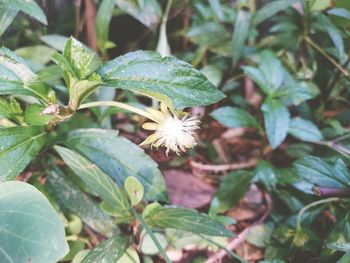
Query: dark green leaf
point(167, 79)
point(149, 13)
point(119, 158)
point(18, 146)
point(240, 34)
point(265, 174)
point(96, 181)
point(304, 130)
point(30, 228)
point(276, 118)
point(109, 250)
point(232, 188)
point(234, 117)
point(29, 7)
point(187, 220)
point(271, 9)
point(68, 195)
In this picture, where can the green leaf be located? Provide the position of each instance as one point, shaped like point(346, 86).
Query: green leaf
point(270, 9)
point(30, 228)
point(232, 188)
point(56, 41)
point(11, 109)
point(258, 77)
point(276, 118)
point(149, 248)
point(110, 250)
point(70, 197)
point(272, 69)
point(187, 220)
point(96, 181)
point(216, 7)
point(7, 14)
point(345, 247)
point(304, 130)
point(103, 19)
point(108, 151)
point(134, 189)
point(36, 56)
point(234, 117)
point(265, 173)
point(319, 5)
point(18, 146)
point(341, 12)
point(33, 115)
point(17, 78)
point(319, 172)
point(240, 34)
point(130, 256)
point(29, 7)
point(149, 13)
point(167, 79)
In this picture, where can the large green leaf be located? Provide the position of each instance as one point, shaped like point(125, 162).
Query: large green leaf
point(30, 229)
point(18, 146)
point(277, 118)
point(29, 7)
point(119, 158)
point(234, 117)
point(69, 196)
point(148, 12)
point(240, 34)
point(167, 79)
point(17, 78)
point(96, 181)
point(187, 220)
point(110, 250)
point(271, 9)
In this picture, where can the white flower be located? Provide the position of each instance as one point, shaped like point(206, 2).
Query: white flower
point(171, 131)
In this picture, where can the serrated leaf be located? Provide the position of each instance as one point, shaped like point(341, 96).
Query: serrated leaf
point(119, 158)
point(240, 34)
point(304, 130)
point(110, 250)
point(30, 228)
point(187, 220)
point(134, 189)
point(167, 79)
point(96, 180)
point(234, 117)
point(17, 78)
point(70, 197)
point(270, 9)
point(29, 7)
point(148, 14)
point(18, 146)
point(276, 118)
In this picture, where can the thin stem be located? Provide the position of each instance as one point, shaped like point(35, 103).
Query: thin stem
point(120, 105)
point(232, 254)
point(167, 10)
point(152, 236)
point(335, 63)
point(319, 202)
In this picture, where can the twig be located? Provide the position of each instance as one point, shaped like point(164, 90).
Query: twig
point(223, 167)
point(217, 257)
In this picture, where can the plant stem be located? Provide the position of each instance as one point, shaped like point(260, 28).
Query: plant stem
point(335, 63)
point(152, 236)
point(120, 105)
point(331, 191)
point(232, 254)
point(319, 202)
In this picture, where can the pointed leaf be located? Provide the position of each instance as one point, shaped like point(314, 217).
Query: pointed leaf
point(29, 7)
point(304, 130)
point(240, 34)
point(234, 117)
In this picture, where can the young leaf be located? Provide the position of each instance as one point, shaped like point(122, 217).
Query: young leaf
point(234, 117)
point(304, 130)
point(271, 9)
point(108, 151)
point(96, 180)
point(110, 250)
point(240, 34)
point(69, 196)
point(167, 79)
point(187, 220)
point(276, 118)
point(134, 189)
point(29, 226)
point(29, 7)
point(18, 146)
